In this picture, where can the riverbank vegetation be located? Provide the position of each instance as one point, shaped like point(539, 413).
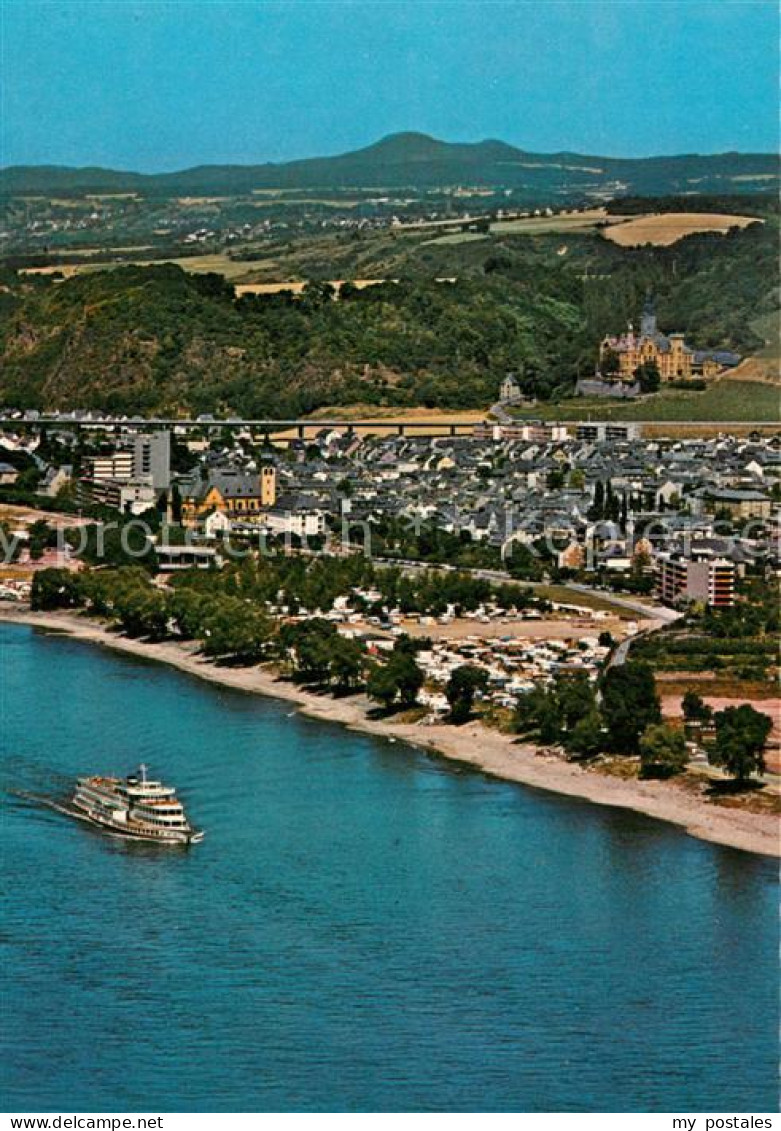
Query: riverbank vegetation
point(277, 611)
point(621, 716)
point(588, 720)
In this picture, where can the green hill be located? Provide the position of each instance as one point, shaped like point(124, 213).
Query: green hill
point(142, 339)
point(416, 160)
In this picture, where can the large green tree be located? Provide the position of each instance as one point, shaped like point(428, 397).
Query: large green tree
point(629, 705)
point(741, 734)
point(347, 663)
point(56, 589)
point(564, 712)
point(648, 377)
point(397, 681)
point(235, 631)
point(587, 737)
point(309, 645)
point(662, 751)
point(463, 685)
point(142, 612)
point(695, 709)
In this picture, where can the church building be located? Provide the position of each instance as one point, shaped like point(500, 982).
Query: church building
point(239, 496)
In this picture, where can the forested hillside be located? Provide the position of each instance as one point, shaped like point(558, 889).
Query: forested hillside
point(154, 338)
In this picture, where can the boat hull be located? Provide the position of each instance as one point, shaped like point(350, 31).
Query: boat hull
point(173, 837)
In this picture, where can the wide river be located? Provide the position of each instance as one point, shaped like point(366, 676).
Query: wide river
point(363, 928)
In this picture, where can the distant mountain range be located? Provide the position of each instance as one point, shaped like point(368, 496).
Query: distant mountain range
point(414, 160)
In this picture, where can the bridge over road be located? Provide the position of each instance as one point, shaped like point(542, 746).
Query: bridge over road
point(305, 427)
point(283, 429)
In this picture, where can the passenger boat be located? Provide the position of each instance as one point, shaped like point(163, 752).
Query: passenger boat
point(135, 807)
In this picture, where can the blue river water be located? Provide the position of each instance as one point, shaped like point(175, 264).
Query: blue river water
point(363, 928)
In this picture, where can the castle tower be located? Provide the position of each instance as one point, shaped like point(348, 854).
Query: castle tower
point(680, 360)
point(648, 318)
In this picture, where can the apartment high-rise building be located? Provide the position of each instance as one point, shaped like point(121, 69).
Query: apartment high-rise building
point(143, 457)
point(708, 580)
point(152, 458)
point(116, 467)
point(603, 430)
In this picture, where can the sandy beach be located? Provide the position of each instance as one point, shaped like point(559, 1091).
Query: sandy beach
point(473, 744)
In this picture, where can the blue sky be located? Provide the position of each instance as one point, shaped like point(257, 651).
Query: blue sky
point(156, 86)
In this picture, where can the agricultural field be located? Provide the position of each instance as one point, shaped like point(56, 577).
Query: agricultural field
point(360, 412)
point(297, 285)
point(455, 238)
point(596, 601)
point(725, 399)
point(197, 264)
point(203, 264)
point(565, 222)
point(278, 200)
point(277, 263)
point(419, 250)
point(438, 421)
point(668, 227)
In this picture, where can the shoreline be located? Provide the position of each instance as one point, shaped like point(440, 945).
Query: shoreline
point(488, 751)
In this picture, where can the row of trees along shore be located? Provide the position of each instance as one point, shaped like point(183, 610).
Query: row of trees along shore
point(239, 618)
point(622, 715)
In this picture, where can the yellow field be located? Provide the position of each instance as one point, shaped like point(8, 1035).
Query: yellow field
point(67, 270)
point(18, 517)
point(531, 225)
point(84, 256)
point(661, 230)
point(196, 201)
point(329, 202)
point(390, 417)
point(395, 415)
point(566, 222)
point(455, 238)
point(669, 227)
point(764, 370)
point(204, 264)
point(197, 264)
point(567, 627)
point(297, 286)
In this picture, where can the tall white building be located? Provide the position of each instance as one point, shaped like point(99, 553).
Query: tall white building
point(152, 458)
point(144, 457)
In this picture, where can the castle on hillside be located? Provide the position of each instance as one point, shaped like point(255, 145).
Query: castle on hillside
point(675, 360)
